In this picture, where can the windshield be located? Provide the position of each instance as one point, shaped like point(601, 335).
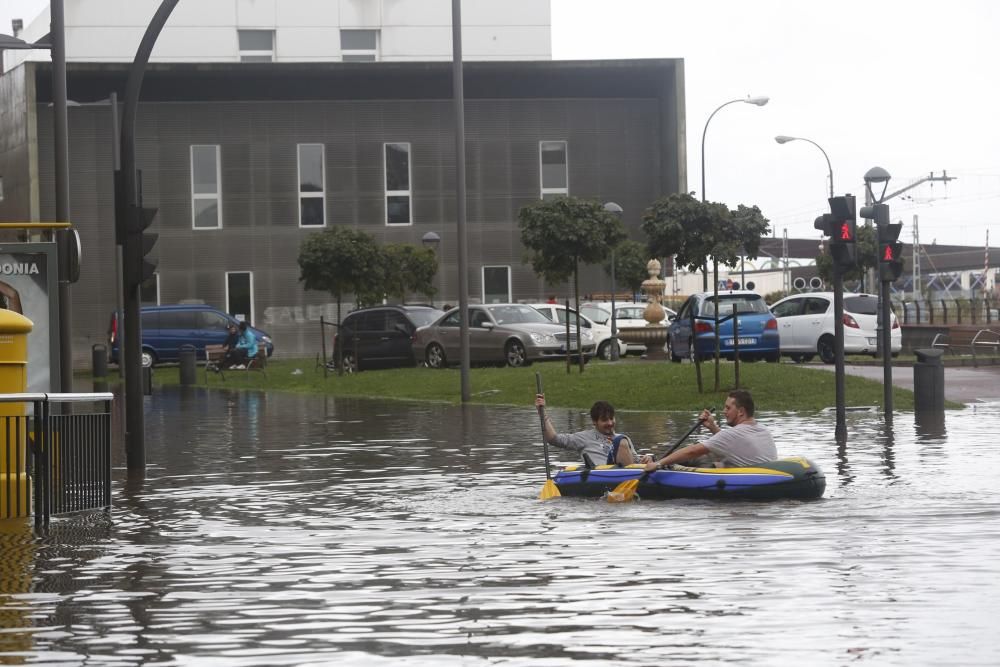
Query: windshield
point(422, 318)
point(517, 315)
point(861, 305)
point(745, 303)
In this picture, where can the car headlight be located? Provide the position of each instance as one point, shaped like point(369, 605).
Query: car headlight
point(543, 339)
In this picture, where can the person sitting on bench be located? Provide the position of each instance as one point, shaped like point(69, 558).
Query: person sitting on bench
point(239, 356)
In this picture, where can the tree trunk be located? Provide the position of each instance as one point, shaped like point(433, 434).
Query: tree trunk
point(576, 296)
point(340, 348)
point(715, 290)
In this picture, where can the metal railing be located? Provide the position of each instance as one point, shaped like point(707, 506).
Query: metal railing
point(949, 311)
point(53, 461)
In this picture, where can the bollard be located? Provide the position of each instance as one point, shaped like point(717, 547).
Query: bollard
point(99, 360)
point(188, 364)
point(147, 380)
point(928, 381)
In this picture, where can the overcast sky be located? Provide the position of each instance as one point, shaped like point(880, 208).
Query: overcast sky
point(908, 85)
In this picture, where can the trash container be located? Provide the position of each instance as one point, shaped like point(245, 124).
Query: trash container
point(188, 364)
point(147, 380)
point(928, 381)
point(99, 360)
point(15, 498)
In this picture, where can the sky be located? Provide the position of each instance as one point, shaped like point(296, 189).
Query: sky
point(907, 85)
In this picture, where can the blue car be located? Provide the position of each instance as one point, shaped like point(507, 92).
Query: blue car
point(166, 328)
point(758, 330)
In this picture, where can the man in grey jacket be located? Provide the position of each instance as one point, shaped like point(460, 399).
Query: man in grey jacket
point(599, 445)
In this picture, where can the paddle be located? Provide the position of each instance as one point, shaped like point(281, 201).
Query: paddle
point(549, 489)
point(625, 491)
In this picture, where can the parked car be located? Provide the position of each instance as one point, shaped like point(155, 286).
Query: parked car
point(758, 328)
point(627, 314)
point(602, 332)
point(511, 333)
point(805, 322)
point(380, 336)
point(165, 329)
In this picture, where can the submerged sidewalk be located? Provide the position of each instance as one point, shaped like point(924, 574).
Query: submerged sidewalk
point(963, 384)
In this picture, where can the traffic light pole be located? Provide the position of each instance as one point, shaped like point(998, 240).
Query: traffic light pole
point(886, 342)
point(127, 218)
point(838, 352)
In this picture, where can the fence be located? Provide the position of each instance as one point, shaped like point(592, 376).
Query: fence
point(53, 461)
point(962, 311)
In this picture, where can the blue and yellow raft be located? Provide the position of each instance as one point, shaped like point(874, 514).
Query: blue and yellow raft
point(794, 477)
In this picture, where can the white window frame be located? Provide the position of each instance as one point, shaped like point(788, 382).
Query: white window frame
point(541, 169)
point(397, 193)
point(322, 181)
point(217, 195)
point(482, 275)
point(252, 299)
point(361, 55)
point(256, 53)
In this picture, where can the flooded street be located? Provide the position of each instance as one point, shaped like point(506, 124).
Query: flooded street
point(299, 530)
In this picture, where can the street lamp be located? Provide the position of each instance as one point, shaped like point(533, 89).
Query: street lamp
point(782, 139)
point(756, 101)
point(616, 210)
point(876, 175)
point(431, 241)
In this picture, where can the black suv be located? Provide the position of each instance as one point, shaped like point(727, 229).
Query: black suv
point(380, 337)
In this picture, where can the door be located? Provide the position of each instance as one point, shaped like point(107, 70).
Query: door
point(817, 317)
point(372, 339)
point(396, 346)
point(177, 327)
point(482, 346)
point(788, 313)
point(496, 284)
point(680, 329)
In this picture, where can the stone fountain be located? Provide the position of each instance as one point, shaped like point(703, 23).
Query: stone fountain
point(654, 334)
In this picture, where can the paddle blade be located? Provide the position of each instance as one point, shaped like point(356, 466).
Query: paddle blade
point(624, 492)
point(549, 491)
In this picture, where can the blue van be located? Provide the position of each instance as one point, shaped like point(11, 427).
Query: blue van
point(166, 328)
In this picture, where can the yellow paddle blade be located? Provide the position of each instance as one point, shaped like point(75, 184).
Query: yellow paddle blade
point(624, 492)
point(549, 490)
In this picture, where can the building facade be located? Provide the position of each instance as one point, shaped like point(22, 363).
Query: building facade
point(244, 160)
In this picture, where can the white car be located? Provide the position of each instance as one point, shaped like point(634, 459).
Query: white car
point(627, 314)
point(601, 333)
point(805, 324)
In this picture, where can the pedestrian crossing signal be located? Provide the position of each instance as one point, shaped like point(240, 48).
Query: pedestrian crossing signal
point(847, 231)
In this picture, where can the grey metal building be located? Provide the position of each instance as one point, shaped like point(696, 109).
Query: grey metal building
point(245, 160)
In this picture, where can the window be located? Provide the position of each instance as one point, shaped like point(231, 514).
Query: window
point(554, 174)
point(206, 194)
point(149, 291)
point(496, 284)
point(256, 46)
point(789, 308)
point(312, 185)
point(239, 295)
point(397, 184)
point(359, 46)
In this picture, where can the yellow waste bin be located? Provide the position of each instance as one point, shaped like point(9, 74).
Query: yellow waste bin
point(15, 501)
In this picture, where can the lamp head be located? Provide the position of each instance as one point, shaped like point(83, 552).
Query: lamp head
point(612, 207)
point(782, 139)
point(431, 240)
point(760, 100)
point(877, 175)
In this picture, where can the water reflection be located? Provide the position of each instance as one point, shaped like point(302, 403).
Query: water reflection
point(276, 529)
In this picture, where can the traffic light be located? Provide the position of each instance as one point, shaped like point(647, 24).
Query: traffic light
point(138, 244)
point(890, 252)
point(840, 224)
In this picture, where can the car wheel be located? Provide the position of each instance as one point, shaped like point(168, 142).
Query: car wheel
point(825, 348)
point(604, 351)
point(349, 363)
point(773, 358)
point(673, 357)
point(515, 355)
point(434, 357)
point(148, 359)
point(802, 358)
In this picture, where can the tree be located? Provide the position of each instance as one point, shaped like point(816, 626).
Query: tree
point(695, 231)
point(630, 265)
point(340, 261)
point(408, 268)
point(560, 233)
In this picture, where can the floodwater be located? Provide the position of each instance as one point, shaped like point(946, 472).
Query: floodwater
point(291, 530)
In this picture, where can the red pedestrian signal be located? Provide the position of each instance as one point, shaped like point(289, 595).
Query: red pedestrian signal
point(846, 231)
point(887, 255)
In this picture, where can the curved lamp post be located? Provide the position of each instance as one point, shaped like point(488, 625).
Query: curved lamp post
point(782, 139)
point(616, 210)
point(756, 101)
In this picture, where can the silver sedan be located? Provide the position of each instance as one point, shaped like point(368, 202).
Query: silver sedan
point(510, 333)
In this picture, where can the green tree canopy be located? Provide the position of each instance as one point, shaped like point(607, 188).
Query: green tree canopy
point(340, 260)
point(559, 233)
point(409, 268)
point(631, 258)
point(690, 230)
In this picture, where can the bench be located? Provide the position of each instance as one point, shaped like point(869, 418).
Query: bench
point(215, 353)
point(968, 339)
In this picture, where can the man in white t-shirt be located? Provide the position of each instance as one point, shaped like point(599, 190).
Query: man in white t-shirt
point(746, 443)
